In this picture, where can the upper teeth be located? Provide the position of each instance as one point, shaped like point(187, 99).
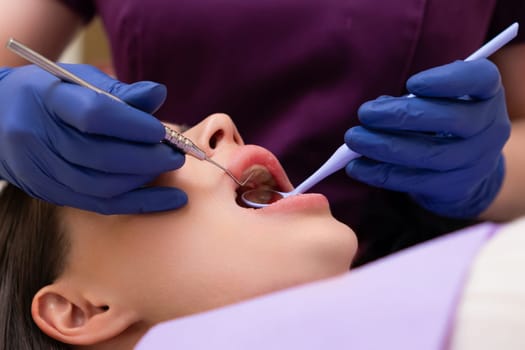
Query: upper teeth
point(259, 176)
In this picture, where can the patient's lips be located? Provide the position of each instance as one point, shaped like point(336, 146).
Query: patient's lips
point(269, 173)
point(261, 166)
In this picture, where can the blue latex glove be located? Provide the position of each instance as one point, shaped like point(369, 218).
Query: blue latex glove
point(71, 146)
point(443, 147)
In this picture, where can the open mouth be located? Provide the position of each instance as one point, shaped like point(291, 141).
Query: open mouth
point(261, 168)
point(259, 178)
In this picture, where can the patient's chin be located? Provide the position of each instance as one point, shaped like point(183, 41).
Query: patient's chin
point(340, 249)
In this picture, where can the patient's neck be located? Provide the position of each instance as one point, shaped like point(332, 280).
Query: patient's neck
point(124, 341)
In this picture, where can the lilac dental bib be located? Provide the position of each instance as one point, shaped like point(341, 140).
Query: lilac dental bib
point(405, 301)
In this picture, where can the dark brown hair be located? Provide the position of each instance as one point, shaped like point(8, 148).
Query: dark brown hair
point(33, 250)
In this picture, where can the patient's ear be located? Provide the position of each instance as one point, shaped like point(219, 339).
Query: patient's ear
point(73, 319)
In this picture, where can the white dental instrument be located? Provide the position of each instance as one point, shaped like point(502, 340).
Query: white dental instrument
point(258, 198)
point(171, 138)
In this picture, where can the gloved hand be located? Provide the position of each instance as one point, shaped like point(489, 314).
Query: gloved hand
point(443, 147)
point(71, 146)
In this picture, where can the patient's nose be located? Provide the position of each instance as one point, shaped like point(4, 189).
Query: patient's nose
point(218, 130)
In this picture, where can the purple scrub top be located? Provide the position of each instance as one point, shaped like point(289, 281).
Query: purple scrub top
point(293, 73)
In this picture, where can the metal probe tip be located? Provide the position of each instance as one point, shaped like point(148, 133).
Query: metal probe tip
point(229, 172)
point(181, 142)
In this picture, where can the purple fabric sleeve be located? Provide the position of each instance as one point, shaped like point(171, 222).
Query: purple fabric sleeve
point(406, 301)
point(84, 8)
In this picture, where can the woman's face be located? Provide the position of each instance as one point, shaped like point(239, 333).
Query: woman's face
point(211, 252)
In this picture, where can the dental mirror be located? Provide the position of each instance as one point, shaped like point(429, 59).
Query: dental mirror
point(259, 198)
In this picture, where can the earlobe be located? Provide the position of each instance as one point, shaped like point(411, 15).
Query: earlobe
point(73, 319)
